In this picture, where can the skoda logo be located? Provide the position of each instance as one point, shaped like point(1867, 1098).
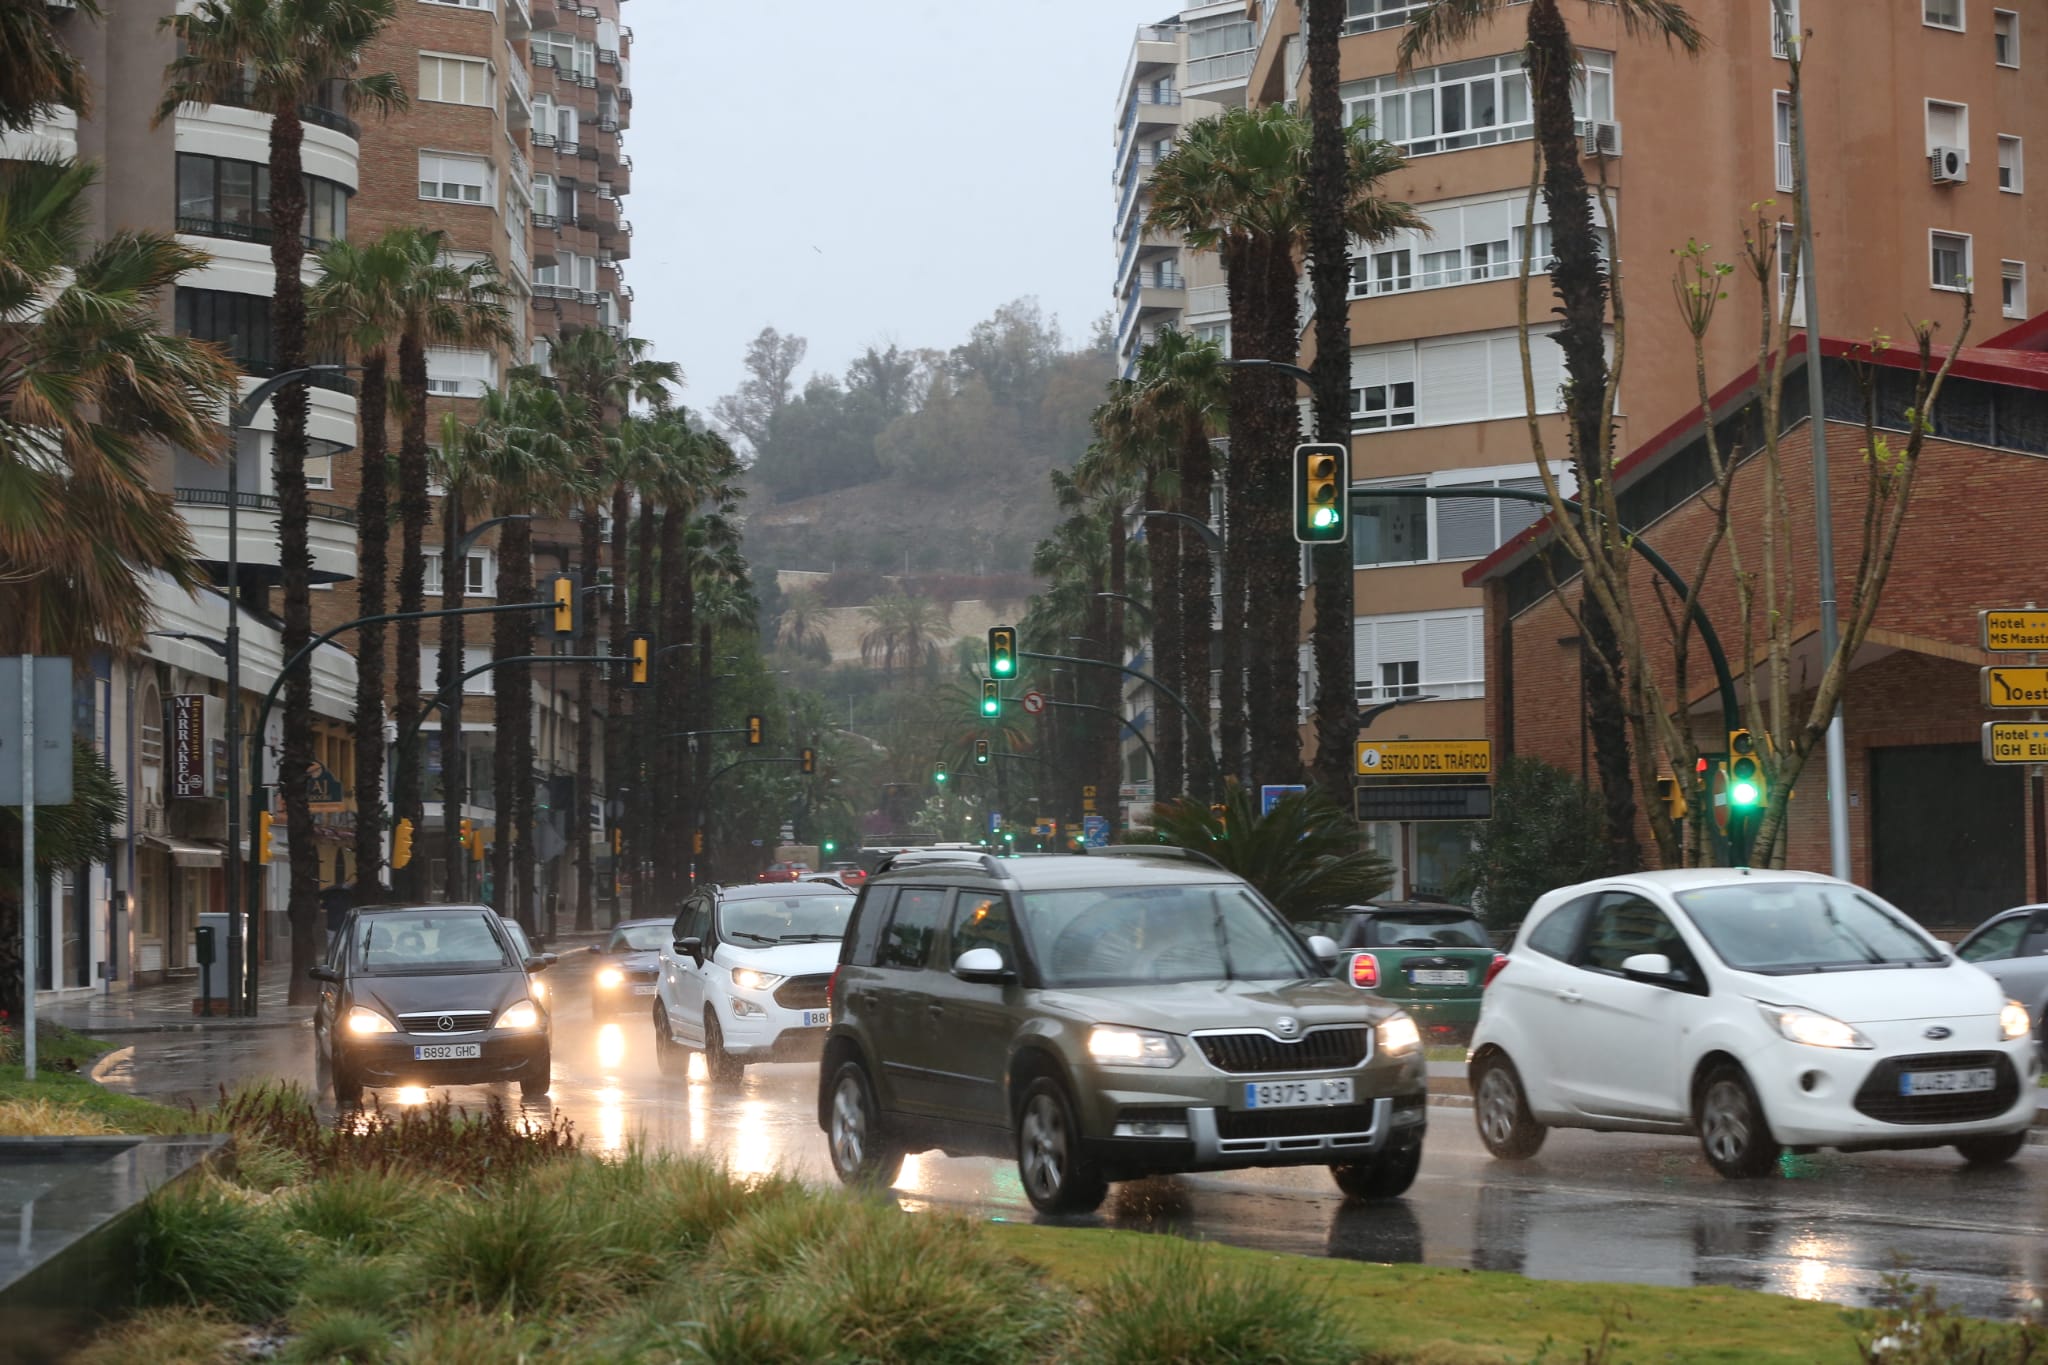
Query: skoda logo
point(1939, 1031)
point(1285, 1027)
point(445, 1024)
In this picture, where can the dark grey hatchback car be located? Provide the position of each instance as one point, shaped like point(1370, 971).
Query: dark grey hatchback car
point(429, 995)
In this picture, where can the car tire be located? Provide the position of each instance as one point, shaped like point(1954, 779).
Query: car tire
point(348, 1091)
point(1058, 1177)
point(861, 1155)
point(1501, 1112)
point(1387, 1176)
point(1734, 1133)
point(669, 1055)
point(539, 1077)
point(720, 1065)
point(1992, 1149)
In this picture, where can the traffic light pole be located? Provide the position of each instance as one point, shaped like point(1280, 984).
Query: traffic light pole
point(443, 697)
point(1128, 724)
point(1199, 723)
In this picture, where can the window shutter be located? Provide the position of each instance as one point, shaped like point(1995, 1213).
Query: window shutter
point(1517, 516)
point(1397, 641)
point(1446, 651)
point(1546, 362)
point(1504, 388)
point(1464, 527)
point(1453, 385)
point(1364, 651)
point(1489, 222)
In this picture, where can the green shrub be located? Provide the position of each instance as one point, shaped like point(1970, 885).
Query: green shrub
point(210, 1247)
point(726, 1330)
point(1177, 1304)
point(1919, 1329)
point(1548, 830)
point(435, 1138)
point(380, 1285)
point(771, 1241)
point(167, 1336)
point(264, 1166)
point(366, 1210)
point(523, 1247)
point(471, 1338)
point(339, 1334)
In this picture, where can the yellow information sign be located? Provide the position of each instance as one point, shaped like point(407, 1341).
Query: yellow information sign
point(2014, 630)
point(2012, 688)
point(2010, 741)
point(1424, 757)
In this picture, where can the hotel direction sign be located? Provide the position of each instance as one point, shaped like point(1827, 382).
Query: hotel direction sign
point(1425, 757)
point(2014, 630)
point(2012, 688)
point(2012, 741)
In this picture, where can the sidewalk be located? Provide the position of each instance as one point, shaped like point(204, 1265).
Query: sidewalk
point(168, 1009)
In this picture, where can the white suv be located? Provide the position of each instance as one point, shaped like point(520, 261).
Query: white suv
point(1756, 1009)
point(744, 975)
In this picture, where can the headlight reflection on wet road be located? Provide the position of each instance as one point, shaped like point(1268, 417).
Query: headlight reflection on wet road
point(611, 1047)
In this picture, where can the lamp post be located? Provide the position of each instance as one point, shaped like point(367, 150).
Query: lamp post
point(454, 758)
point(239, 418)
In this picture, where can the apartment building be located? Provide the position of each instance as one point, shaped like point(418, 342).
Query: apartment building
point(1920, 115)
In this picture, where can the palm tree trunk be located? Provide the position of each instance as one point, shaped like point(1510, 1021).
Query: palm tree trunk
point(647, 766)
point(1577, 277)
point(512, 864)
point(1336, 699)
point(448, 682)
point(698, 804)
point(617, 778)
point(670, 841)
point(373, 525)
point(407, 788)
point(295, 556)
point(577, 826)
point(1113, 652)
point(1273, 592)
point(1195, 603)
point(1169, 662)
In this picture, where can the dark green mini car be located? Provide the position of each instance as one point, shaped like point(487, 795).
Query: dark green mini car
point(1432, 960)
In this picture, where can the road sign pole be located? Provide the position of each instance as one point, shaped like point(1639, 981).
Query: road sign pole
point(28, 866)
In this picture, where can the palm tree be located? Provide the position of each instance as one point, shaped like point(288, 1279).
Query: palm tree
point(41, 74)
point(355, 306)
point(1236, 184)
point(1578, 277)
point(903, 629)
point(455, 467)
point(800, 628)
point(90, 390)
point(277, 56)
point(1304, 855)
point(440, 303)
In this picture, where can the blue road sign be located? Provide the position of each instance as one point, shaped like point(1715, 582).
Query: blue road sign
point(1270, 797)
point(1094, 831)
point(995, 821)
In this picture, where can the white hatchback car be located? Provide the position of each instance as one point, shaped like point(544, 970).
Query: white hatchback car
point(744, 975)
point(1757, 1009)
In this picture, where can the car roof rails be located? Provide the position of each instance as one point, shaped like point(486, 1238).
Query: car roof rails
point(917, 857)
point(1189, 855)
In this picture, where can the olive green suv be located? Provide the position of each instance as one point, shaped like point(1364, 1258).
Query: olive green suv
point(1106, 1018)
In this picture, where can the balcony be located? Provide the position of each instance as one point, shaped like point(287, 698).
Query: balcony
point(1148, 108)
point(330, 534)
point(518, 19)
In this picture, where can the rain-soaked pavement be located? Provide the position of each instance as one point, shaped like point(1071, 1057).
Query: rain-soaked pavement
point(1602, 1207)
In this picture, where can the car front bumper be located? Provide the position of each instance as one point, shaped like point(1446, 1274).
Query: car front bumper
point(631, 994)
point(776, 1033)
point(389, 1059)
point(1818, 1097)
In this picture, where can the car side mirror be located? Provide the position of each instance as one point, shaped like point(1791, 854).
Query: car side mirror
point(1324, 947)
point(538, 962)
point(594, 948)
point(327, 974)
point(693, 947)
point(981, 964)
point(1654, 968)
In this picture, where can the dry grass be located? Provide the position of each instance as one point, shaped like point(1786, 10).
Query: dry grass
point(51, 1118)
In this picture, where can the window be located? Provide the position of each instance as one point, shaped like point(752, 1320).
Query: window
point(239, 323)
point(1784, 26)
point(1942, 14)
point(2001, 940)
point(1363, 16)
point(1390, 530)
point(1781, 136)
point(1437, 653)
point(1788, 256)
point(2012, 288)
point(1472, 528)
point(219, 197)
point(553, 47)
point(2005, 37)
point(455, 80)
point(1951, 260)
point(1383, 272)
point(914, 929)
point(477, 583)
point(460, 374)
point(1442, 380)
point(1465, 242)
point(2012, 174)
point(1383, 388)
point(456, 179)
point(1626, 925)
point(982, 922)
point(1469, 104)
point(473, 656)
point(462, 4)
point(1948, 125)
point(1407, 530)
point(1558, 933)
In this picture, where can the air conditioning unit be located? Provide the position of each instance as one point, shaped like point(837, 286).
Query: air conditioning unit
point(1949, 165)
point(1601, 139)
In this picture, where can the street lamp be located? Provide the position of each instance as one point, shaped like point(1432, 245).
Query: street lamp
point(1282, 366)
point(454, 755)
point(1368, 715)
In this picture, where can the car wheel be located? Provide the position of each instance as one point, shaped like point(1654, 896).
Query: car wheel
point(1057, 1177)
point(723, 1067)
point(1992, 1149)
point(1501, 1111)
point(539, 1076)
point(1388, 1176)
point(1734, 1133)
point(861, 1155)
point(348, 1091)
point(668, 1054)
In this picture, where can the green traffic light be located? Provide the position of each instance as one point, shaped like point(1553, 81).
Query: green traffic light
point(1324, 517)
point(1005, 667)
point(939, 776)
point(829, 846)
point(1743, 794)
point(990, 706)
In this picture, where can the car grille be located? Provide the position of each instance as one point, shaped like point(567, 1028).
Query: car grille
point(461, 1021)
point(1250, 1054)
point(803, 992)
point(1240, 1124)
point(1879, 1097)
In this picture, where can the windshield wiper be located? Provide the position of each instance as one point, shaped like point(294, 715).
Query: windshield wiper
point(812, 938)
point(1870, 954)
point(1222, 937)
point(758, 938)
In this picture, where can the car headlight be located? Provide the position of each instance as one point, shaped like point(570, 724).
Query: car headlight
point(1811, 1027)
point(524, 1014)
point(1399, 1035)
point(362, 1019)
point(747, 979)
point(610, 979)
point(1132, 1046)
point(539, 988)
point(2013, 1021)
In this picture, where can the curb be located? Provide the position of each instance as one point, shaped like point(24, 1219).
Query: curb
point(218, 1026)
point(108, 1063)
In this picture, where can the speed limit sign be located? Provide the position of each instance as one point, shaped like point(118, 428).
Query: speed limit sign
point(1034, 703)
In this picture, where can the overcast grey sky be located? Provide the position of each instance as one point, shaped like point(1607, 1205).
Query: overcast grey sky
point(883, 170)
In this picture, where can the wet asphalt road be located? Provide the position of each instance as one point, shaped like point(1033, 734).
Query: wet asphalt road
point(1599, 1207)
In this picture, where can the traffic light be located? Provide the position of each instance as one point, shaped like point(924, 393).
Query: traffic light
point(401, 844)
point(618, 840)
point(697, 841)
point(829, 846)
point(940, 775)
point(754, 731)
point(643, 659)
point(807, 760)
point(565, 590)
point(465, 829)
point(1322, 489)
point(981, 752)
point(1672, 794)
point(473, 839)
point(1002, 651)
point(991, 697)
point(1747, 786)
point(263, 836)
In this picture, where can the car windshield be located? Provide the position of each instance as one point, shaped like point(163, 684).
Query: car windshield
point(430, 941)
point(516, 936)
point(1422, 930)
point(761, 921)
point(640, 938)
point(1139, 935)
point(1789, 928)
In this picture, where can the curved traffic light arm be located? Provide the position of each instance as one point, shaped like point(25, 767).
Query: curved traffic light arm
point(447, 694)
point(1195, 722)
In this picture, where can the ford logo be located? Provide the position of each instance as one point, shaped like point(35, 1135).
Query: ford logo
point(1285, 1026)
point(445, 1024)
point(1939, 1031)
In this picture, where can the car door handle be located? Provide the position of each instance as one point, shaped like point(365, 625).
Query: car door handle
point(935, 1009)
point(1569, 997)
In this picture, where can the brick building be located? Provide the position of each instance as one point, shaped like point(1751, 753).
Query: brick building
point(1932, 826)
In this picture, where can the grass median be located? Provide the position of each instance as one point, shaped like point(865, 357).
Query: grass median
point(63, 1100)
